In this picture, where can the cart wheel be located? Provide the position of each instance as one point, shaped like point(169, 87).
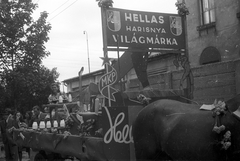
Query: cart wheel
point(40, 156)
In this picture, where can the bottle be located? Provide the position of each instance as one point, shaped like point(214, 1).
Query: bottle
point(89, 107)
point(69, 98)
point(48, 124)
point(96, 105)
point(55, 124)
point(62, 123)
point(85, 107)
point(42, 125)
point(35, 126)
point(100, 106)
point(60, 99)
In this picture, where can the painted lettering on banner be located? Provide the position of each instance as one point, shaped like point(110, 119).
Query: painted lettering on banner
point(150, 29)
point(119, 136)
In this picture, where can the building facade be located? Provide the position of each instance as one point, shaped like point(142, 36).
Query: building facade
point(213, 31)
point(213, 36)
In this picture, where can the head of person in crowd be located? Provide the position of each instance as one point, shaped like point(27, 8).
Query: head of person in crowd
point(36, 111)
point(29, 118)
point(55, 88)
point(4, 116)
point(28, 115)
point(46, 109)
point(38, 115)
point(8, 114)
point(8, 111)
point(17, 116)
point(18, 119)
point(63, 112)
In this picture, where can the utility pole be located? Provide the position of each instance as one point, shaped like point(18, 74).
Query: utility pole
point(85, 32)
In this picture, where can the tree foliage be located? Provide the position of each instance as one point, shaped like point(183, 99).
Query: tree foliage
point(24, 80)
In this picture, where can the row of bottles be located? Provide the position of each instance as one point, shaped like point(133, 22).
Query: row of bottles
point(48, 125)
point(96, 108)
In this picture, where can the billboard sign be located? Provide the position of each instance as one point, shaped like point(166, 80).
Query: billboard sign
point(117, 132)
point(127, 28)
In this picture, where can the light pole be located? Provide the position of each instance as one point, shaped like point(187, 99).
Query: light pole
point(85, 32)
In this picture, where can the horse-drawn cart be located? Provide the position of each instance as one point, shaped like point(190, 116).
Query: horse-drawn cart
point(51, 146)
point(78, 139)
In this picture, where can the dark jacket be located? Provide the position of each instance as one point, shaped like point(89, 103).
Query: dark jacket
point(3, 127)
point(12, 123)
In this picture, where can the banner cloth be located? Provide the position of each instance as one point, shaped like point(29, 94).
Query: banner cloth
point(84, 148)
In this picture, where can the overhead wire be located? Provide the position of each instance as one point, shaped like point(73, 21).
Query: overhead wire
point(63, 10)
point(59, 7)
point(72, 65)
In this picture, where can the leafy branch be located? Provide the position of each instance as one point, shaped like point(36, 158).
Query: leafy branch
point(182, 9)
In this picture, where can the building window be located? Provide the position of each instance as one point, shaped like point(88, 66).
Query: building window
point(209, 55)
point(207, 11)
point(207, 15)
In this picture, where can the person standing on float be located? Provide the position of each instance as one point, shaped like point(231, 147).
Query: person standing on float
point(56, 95)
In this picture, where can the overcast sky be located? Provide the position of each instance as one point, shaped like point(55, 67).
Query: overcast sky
point(70, 18)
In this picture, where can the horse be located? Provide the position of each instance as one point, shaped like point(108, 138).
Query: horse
point(172, 130)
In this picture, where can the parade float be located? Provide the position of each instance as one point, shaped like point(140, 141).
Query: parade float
point(104, 131)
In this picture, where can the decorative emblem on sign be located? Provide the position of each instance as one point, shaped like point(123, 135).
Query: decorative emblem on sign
point(176, 25)
point(107, 80)
point(113, 20)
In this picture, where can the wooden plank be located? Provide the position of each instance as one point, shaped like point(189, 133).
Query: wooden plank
point(218, 80)
point(125, 64)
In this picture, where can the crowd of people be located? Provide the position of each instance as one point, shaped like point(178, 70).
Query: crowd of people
point(13, 119)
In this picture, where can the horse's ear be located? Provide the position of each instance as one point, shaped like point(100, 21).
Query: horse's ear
point(233, 103)
point(237, 113)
